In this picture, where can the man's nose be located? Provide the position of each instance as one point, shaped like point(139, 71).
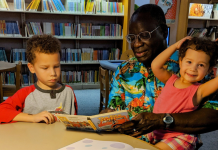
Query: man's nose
point(138, 42)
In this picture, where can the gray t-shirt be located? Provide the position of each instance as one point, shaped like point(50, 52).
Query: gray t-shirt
point(40, 100)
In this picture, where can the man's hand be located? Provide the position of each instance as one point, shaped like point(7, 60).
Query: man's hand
point(143, 123)
point(44, 116)
point(107, 110)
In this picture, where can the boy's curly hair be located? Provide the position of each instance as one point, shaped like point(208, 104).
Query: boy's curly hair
point(43, 44)
point(201, 44)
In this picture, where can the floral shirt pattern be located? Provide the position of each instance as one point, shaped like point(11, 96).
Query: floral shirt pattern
point(135, 88)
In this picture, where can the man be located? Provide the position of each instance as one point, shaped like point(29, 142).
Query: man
point(135, 87)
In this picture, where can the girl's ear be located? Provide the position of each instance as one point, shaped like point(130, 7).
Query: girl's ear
point(31, 67)
point(180, 62)
point(209, 70)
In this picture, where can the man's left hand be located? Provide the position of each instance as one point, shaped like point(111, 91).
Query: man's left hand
point(143, 123)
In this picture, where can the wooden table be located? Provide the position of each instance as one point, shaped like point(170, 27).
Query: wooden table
point(40, 136)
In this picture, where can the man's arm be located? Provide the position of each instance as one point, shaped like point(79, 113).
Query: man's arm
point(196, 122)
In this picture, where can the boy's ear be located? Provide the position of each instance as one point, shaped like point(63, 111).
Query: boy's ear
point(31, 68)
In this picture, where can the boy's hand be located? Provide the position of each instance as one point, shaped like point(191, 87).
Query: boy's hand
point(44, 116)
point(179, 43)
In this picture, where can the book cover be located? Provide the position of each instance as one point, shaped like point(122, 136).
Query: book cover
point(197, 10)
point(101, 122)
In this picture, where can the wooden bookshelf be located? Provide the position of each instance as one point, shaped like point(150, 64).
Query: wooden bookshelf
point(185, 22)
point(23, 16)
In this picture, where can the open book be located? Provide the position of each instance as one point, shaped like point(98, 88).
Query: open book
point(89, 144)
point(101, 122)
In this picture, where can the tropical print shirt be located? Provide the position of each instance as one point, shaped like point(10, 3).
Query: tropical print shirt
point(135, 88)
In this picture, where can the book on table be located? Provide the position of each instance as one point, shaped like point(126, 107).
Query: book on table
point(100, 122)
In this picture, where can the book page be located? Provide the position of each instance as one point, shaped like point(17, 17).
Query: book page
point(75, 122)
point(89, 144)
point(108, 121)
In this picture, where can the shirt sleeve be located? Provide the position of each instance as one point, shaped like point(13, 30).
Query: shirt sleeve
point(14, 105)
point(116, 89)
point(74, 104)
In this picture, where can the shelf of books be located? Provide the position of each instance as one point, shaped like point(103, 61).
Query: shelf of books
point(65, 7)
point(78, 24)
point(197, 19)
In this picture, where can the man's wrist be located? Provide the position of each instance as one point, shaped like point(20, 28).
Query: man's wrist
point(162, 125)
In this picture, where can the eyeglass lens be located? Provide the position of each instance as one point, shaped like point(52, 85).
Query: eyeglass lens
point(142, 36)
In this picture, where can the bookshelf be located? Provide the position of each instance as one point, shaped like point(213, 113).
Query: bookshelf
point(186, 22)
point(23, 16)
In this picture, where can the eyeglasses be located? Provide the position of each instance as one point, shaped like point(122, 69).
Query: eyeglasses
point(143, 36)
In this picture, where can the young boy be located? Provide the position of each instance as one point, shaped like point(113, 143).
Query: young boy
point(32, 103)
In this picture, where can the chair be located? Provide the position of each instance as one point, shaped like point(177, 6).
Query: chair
point(9, 90)
point(104, 87)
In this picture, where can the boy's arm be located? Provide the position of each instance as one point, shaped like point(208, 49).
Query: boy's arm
point(44, 116)
point(13, 105)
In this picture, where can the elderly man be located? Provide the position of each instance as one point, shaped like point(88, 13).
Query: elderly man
point(135, 87)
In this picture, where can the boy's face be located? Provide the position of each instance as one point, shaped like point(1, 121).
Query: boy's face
point(194, 66)
point(47, 69)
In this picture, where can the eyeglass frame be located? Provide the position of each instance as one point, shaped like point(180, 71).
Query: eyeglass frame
point(137, 36)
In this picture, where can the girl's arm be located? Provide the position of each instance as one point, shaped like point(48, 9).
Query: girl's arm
point(205, 90)
point(157, 64)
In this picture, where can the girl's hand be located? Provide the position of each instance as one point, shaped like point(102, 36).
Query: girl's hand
point(179, 43)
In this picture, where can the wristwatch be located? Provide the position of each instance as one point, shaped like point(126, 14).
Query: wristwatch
point(168, 120)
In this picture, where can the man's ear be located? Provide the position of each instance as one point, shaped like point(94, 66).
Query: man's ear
point(165, 31)
point(31, 68)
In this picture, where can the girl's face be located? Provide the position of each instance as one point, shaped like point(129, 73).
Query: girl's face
point(194, 66)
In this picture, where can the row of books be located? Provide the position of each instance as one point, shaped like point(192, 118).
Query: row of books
point(84, 76)
point(62, 29)
point(103, 6)
point(67, 6)
point(68, 55)
point(73, 30)
point(210, 32)
point(8, 78)
point(18, 5)
point(89, 54)
point(53, 6)
point(113, 30)
point(3, 56)
point(9, 28)
point(4, 5)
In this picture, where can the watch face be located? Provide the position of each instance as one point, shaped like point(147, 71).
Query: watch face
point(168, 119)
